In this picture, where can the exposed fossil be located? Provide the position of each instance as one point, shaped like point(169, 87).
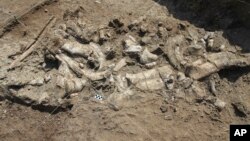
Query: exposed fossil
point(147, 57)
point(215, 62)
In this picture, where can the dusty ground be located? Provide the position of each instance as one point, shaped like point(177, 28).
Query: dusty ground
point(148, 116)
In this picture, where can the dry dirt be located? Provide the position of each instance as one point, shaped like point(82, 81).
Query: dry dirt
point(162, 115)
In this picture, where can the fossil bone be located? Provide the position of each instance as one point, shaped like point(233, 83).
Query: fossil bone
point(96, 75)
point(153, 73)
point(76, 48)
point(216, 61)
point(74, 66)
point(37, 82)
point(147, 57)
point(131, 46)
point(151, 84)
point(169, 81)
point(134, 78)
point(172, 52)
point(120, 64)
point(67, 80)
point(98, 54)
point(74, 85)
point(150, 65)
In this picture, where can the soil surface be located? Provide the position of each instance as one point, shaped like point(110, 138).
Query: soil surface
point(188, 111)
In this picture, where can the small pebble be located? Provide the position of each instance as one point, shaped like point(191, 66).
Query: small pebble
point(163, 109)
point(220, 104)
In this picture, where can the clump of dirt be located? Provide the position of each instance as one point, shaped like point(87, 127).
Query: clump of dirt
point(100, 77)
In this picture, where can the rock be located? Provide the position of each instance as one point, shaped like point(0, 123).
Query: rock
point(114, 107)
point(169, 81)
point(210, 43)
point(212, 86)
point(163, 109)
point(73, 29)
point(203, 42)
point(187, 82)
point(196, 50)
point(103, 35)
point(198, 90)
point(62, 27)
point(220, 104)
point(146, 40)
point(47, 78)
point(182, 26)
point(116, 23)
point(181, 76)
point(81, 65)
point(3, 92)
point(240, 109)
point(209, 35)
point(81, 23)
point(61, 34)
point(168, 117)
point(44, 98)
point(37, 82)
point(80, 31)
point(143, 29)
point(193, 34)
point(162, 32)
point(179, 94)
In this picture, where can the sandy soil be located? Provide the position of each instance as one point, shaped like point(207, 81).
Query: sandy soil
point(159, 115)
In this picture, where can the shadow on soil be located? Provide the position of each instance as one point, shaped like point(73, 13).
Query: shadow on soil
point(216, 15)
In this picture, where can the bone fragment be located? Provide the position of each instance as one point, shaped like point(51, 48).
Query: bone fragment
point(134, 78)
point(74, 85)
point(37, 82)
point(74, 66)
point(149, 74)
point(173, 53)
point(76, 48)
point(79, 72)
point(148, 57)
point(131, 46)
point(151, 84)
point(120, 64)
point(98, 54)
point(216, 61)
point(150, 65)
point(96, 75)
point(121, 83)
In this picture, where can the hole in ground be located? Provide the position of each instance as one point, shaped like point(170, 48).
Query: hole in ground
point(234, 73)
